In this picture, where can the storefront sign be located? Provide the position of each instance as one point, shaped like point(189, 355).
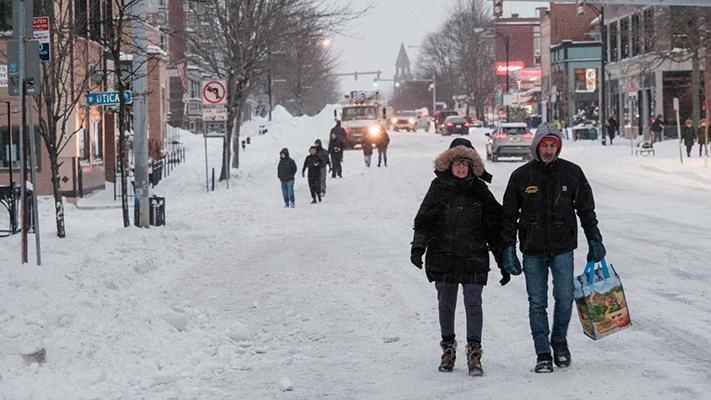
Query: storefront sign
point(501, 68)
point(591, 79)
point(530, 74)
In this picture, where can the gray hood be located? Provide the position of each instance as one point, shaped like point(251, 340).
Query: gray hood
point(545, 129)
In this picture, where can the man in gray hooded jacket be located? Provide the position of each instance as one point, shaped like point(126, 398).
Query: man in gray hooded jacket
point(540, 204)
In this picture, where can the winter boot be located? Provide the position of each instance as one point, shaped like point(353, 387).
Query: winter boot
point(561, 354)
point(474, 353)
point(313, 201)
point(449, 356)
point(544, 364)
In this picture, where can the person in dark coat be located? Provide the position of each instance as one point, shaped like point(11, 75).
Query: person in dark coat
point(382, 145)
point(688, 134)
point(540, 203)
point(285, 172)
point(457, 225)
point(325, 164)
point(657, 128)
point(612, 127)
point(367, 144)
point(340, 132)
point(701, 136)
point(313, 164)
point(335, 149)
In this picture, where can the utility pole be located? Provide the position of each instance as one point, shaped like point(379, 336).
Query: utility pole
point(13, 207)
point(269, 91)
point(434, 93)
point(508, 77)
point(603, 61)
point(140, 131)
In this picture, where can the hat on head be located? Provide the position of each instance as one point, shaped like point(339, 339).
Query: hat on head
point(461, 142)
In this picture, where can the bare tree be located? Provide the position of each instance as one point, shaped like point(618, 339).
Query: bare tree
point(65, 81)
point(237, 37)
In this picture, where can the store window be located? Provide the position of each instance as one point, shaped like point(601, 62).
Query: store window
point(586, 80)
point(613, 32)
point(648, 37)
point(97, 140)
point(636, 34)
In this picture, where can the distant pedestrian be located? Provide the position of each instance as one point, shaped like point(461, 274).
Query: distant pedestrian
point(657, 128)
point(367, 145)
point(285, 171)
point(701, 136)
point(244, 145)
point(313, 164)
point(335, 150)
point(325, 163)
point(249, 140)
point(382, 144)
point(340, 132)
point(688, 134)
point(612, 127)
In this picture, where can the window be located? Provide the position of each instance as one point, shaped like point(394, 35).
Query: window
point(636, 34)
point(95, 19)
point(612, 33)
point(585, 80)
point(83, 135)
point(537, 46)
point(648, 37)
point(5, 147)
point(5, 15)
point(81, 18)
point(97, 151)
point(624, 38)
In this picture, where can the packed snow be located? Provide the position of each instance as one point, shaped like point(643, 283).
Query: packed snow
point(240, 298)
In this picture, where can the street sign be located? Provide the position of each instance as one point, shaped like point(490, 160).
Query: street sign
point(32, 70)
point(215, 129)
point(214, 114)
point(19, 18)
point(3, 75)
point(107, 98)
point(676, 104)
point(41, 34)
point(214, 92)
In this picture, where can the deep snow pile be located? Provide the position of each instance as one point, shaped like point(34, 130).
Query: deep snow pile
point(239, 298)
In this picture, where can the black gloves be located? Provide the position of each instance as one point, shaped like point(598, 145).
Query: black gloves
point(416, 257)
point(596, 250)
point(505, 277)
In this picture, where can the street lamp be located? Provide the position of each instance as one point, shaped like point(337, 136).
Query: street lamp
point(326, 42)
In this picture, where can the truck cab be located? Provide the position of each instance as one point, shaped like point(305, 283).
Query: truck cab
point(362, 115)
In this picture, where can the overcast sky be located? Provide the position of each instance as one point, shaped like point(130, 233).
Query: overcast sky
point(376, 38)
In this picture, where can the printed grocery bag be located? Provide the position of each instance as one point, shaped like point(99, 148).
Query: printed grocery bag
point(601, 302)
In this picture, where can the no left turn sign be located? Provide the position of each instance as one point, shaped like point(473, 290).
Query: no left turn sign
point(214, 92)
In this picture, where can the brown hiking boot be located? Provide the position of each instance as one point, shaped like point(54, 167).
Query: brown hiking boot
point(474, 353)
point(449, 356)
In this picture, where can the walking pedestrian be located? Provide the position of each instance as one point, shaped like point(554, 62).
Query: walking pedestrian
point(367, 145)
point(340, 132)
point(335, 149)
point(382, 145)
point(701, 136)
point(457, 225)
point(612, 127)
point(540, 203)
point(688, 134)
point(285, 172)
point(313, 164)
point(325, 164)
point(657, 128)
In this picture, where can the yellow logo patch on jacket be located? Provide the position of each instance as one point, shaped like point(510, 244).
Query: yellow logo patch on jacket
point(532, 189)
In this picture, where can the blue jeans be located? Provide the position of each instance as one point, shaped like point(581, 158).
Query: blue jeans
point(535, 268)
point(287, 189)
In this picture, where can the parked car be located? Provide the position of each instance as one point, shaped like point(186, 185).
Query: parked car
point(441, 116)
point(410, 121)
point(455, 124)
point(510, 139)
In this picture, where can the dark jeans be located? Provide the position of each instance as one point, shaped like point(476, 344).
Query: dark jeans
point(701, 147)
point(688, 150)
point(535, 268)
point(337, 169)
point(447, 296)
point(287, 190)
point(383, 154)
point(315, 186)
point(324, 174)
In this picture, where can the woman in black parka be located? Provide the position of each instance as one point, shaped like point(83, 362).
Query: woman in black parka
point(457, 225)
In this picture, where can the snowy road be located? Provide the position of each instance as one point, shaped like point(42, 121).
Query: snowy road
point(237, 292)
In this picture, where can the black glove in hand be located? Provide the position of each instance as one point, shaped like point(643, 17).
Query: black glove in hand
point(416, 257)
point(596, 251)
point(505, 277)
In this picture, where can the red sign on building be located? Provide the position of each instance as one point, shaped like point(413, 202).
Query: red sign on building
point(513, 66)
point(40, 24)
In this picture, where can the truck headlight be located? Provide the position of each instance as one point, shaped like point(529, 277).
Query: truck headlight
point(374, 130)
point(394, 120)
point(412, 121)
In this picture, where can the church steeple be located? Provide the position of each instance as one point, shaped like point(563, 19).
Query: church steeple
point(402, 65)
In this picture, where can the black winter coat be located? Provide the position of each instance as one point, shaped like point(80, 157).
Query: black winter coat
point(688, 134)
point(287, 168)
point(335, 147)
point(340, 133)
point(540, 203)
point(383, 140)
point(367, 144)
point(313, 164)
point(458, 223)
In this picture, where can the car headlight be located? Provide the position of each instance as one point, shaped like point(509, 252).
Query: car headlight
point(374, 130)
point(394, 120)
point(412, 121)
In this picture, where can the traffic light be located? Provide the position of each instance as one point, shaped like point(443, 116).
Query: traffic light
point(581, 7)
point(375, 82)
point(356, 75)
point(397, 84)
point(498, 8)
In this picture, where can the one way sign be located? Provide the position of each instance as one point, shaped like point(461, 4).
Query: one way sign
point(214, 92)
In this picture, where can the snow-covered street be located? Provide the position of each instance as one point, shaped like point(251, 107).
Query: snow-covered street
point(237, 293)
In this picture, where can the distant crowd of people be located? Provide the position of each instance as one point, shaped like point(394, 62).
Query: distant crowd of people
point(320, 161)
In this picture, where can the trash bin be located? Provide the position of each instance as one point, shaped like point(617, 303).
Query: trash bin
point(157, 211)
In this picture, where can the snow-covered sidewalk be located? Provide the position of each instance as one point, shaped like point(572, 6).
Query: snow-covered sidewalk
point(237, 297)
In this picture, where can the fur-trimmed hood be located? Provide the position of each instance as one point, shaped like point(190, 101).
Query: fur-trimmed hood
point(443, 162)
